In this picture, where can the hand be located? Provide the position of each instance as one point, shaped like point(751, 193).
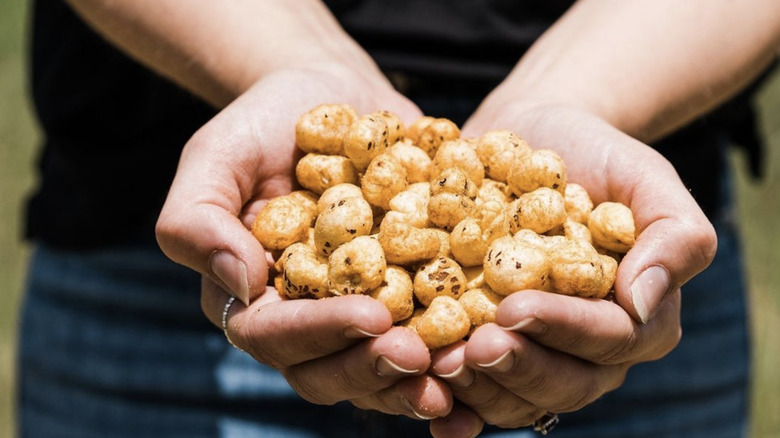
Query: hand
point(228, 170)
point(553, 353)
point(335, 349)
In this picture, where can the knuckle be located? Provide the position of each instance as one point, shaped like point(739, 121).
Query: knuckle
point(619, 352)
point(532, 384)
point(164, 230)
point(310, 390)
point(578, 398)
point(494, 412)
point(352, 382)
point(248, 337)
point(704, 241)
point(669, 344)
point(518, 420)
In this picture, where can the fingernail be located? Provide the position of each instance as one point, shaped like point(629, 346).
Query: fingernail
point(462, 377)
point(648, 289)
point(232, 272)
point(386, 368)
point(356, 333)
point(532, 326)
point(414, 412)
point(501, 365)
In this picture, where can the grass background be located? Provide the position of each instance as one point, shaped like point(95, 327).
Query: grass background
point(758, 202)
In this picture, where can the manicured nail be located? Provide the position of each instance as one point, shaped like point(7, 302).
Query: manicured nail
point(356, 333)
point(648, 289)
point(232, 272)
point(501, 365)
point(531, 326)
point(414, 412)
point(462, 377)
point(387, 368)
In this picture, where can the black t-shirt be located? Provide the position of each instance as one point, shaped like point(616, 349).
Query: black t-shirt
point(113, 130)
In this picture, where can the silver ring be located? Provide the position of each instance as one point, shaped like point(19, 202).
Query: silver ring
point(546, 423)
point(225, 311)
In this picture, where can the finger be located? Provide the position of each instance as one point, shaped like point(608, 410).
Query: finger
point(418, 397)
point(596, 330)
point(281, 333)
point(363, 369)
point(200, 225)
point(548, 379)
point(675, 239)
point(484, 396)
point(461, 422)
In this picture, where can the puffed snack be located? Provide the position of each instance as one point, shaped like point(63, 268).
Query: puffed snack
point(341, 222)
point(356, 267)
point(321, 130)
point(284, 220)
point(453, 197)
point(437, 227)
point(318, 172)
point(611, 225)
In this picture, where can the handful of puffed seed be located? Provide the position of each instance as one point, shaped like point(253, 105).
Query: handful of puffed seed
point(437, 227)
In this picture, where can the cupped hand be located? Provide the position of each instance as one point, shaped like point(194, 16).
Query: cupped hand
point(246, 156)
point(329, 350)
point(334, 349)
point(555, 353)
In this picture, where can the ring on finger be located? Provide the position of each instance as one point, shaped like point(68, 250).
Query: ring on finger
point(225, 311)
point(546, 423)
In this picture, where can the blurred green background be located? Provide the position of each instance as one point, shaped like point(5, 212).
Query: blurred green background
point(759, 211)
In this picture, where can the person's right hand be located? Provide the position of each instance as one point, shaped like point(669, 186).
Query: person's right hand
point(329, 350)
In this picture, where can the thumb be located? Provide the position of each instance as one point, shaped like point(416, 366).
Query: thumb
point(200, 224)
point(676, 241)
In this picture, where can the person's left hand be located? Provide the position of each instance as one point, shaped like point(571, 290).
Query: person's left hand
point(554, 353)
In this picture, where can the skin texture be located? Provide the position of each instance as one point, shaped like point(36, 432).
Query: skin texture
point(593, 87)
